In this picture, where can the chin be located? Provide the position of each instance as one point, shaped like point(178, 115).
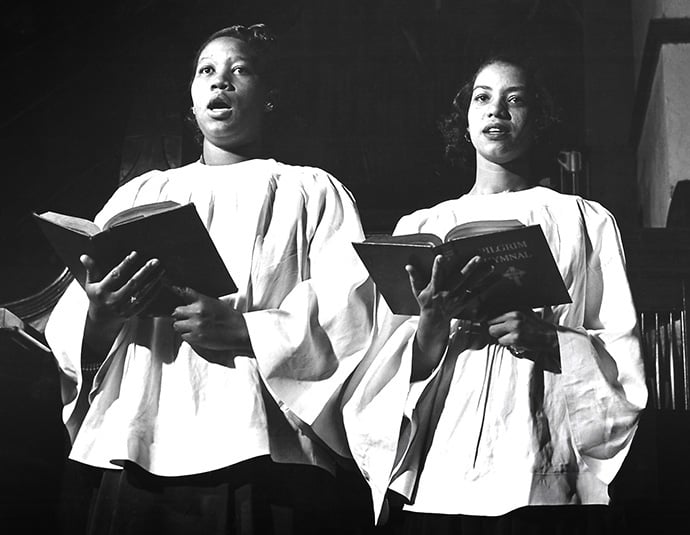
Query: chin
point(500, 159)
point(223, 138)
point(505, 157)
point(508, 160)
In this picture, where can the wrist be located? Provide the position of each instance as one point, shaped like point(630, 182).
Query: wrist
point(102, 317)
point(99, 335)
point(432, 331)
point(240, 341)
point(429, 347)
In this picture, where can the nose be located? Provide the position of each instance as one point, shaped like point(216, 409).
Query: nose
point(222, 82)
point(499, 108)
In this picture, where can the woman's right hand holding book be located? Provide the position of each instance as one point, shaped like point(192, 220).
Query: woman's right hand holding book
point(121, 293)
point(438, 305)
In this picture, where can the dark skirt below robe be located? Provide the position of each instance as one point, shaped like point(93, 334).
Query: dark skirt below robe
point(536, 520)
point(256, 497)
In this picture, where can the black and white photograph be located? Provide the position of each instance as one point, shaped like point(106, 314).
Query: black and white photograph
point(348, 267)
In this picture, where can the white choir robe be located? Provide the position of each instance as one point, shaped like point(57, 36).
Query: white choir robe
point(488, 433)
point(285, 234)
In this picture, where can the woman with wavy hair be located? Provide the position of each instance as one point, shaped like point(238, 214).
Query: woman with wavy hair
point(471, 424)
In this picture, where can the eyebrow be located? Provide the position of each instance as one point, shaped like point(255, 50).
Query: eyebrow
point(511, 88)
point(234, 59)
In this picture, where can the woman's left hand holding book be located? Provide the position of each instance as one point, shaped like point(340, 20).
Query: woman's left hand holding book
point(215, 330)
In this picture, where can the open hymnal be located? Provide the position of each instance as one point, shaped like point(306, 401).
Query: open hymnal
point(168, 231)
point(525, 274)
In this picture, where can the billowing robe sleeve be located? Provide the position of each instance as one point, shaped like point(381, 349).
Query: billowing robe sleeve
point(378, 403)
point(601, 360)
point(309, 343)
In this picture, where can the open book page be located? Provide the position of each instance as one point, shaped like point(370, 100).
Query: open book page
point(477, 228)
point(77, 224)
point(464, 230)
point(138, 212)
point(424, 239)
point(525, 274)
point(172, 233)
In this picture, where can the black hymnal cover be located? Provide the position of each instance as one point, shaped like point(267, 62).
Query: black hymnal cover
point(166, 230)
point(525, 273)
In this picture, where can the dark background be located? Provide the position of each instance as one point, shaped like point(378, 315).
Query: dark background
point(96, 93)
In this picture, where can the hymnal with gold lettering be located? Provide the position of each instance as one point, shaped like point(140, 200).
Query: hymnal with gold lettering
point(168, 231)
point(524, 275)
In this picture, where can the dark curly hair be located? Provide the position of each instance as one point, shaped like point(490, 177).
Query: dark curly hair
point(453, 126)
point(262, 40)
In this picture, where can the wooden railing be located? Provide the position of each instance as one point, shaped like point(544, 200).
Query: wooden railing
point(35, 309)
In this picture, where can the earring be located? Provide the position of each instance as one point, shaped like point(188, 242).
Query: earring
point(269, 106)
point(467, 137)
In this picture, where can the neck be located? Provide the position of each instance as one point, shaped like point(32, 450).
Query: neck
point(213, 155)
point(497, 178)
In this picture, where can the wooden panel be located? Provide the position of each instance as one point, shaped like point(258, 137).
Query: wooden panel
point(34, 442)
point(660, 252)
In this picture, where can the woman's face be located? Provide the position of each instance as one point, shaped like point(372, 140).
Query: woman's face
point(228, 95)
point(499, 119)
